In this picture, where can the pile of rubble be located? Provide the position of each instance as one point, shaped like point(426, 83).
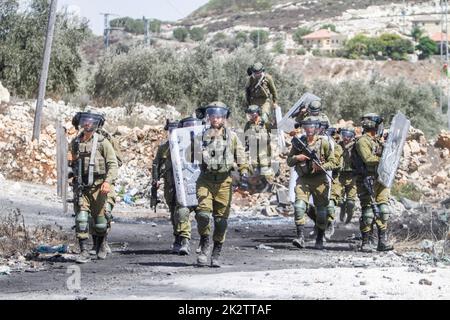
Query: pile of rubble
point(426, 165)
point(32, 161)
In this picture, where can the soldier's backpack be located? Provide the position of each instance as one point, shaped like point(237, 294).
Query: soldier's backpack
point(358, 166)
point(115, 143)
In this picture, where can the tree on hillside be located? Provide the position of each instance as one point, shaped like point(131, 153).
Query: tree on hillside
point(259, 37)
point(181, 34)
point(330, 26)
point(427, 47)
point(416, 33)
point(197, 34)
point(299, 33)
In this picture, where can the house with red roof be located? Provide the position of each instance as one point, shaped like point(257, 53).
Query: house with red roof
point(324, 40)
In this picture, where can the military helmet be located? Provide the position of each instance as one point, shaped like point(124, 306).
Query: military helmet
point(347, 132)
point(253, 109)
point(170, 125)
point(331, 131)
point(371, 121)
point(80, 117)
point(258, 67)
point(314, 107)
point(218, 108)
point(190, 122)
point(324, 124)
point(310, 121)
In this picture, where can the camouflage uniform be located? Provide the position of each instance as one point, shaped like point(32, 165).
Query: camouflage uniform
point(162, 168)
point(259, 134)
point(348, 183)
point(312, 183)
point(221, 150)
point(322, 117)
point(93, 212)
point(263, 95)
point(369, 148)
point(336, 187)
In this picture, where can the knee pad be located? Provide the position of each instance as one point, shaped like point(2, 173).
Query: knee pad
point(350, 204)
point(331, 208)
point(220, 225)
point(203, 218)
point(321, 220)
point(183, 214)
point(101, 224)
point(300, 207)
point(367, 216)
point(82, 221)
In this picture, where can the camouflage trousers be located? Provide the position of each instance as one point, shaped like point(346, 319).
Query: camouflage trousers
point(214, 193)
point(94, 212)
point(382, 195)
point(318, 188)
point(179, 216)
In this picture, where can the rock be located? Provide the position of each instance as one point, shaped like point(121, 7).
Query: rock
point(122, 131)
point(426, 245)
point(269, 211)
point(440, 177)
point(4, 270)
point(443, 140)
point(425, 282)
point(409, 204)
point(414, 146)
point(4, 94)
point(263, 247)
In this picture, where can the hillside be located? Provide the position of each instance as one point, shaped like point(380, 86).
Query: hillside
point(284, 14)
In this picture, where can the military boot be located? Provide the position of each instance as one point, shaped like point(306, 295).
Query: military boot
point(108, 248)
point(342, 212)
point(176, 245)
point(93, 250)
point(83, 257)
point(299, 242)
point(202, 258)
point(350, 209)
point(329, 232)
point(319, 239)
point(101, 248)
point(184, 249)
point(383, 244)
point(216, 254)
point(366, 245)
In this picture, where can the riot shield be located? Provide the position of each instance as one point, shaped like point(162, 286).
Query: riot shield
point(186, 168)
point(61, 164)
point(287, 123)
point(280, 133)
point(393, 149)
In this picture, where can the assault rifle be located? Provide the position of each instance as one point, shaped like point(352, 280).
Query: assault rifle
point(298, 144)
point(154, 200)
point(368, 184)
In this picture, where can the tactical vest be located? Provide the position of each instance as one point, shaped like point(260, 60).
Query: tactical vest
point(84, 151)
point(260, 91)
point(261, 134)
point(360, 168)
point(305, 168)
point(347, 156)
point(217, 152)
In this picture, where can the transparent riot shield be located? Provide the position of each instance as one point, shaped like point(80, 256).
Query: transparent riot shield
point(186, 167)
point(61, 164)
point(287, 123)
point(393, 149)
point(280, 133)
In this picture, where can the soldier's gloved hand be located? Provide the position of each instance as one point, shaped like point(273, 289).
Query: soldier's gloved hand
point(105, 188)
point(244, 182)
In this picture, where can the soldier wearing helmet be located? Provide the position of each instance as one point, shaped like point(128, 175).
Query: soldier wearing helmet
point(260, 90)
point(346, 177)
point(162, 169)
point(313, 109)
point(257, 144)
point(374, 197)
point(221, 150)
point(312, 180)
point(93, 158)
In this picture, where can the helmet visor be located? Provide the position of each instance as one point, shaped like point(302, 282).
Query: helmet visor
point(347, 134)
point(191, 123)
point(90, 122)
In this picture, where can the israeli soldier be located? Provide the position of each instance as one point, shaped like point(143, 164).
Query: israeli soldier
point(346, 177)
point(220, 151)
point(260, 90)
point(312, 180)
point(162, 168)
point(94, 157)
point(336, 188)
point(374, 197)
point(313, 109)
point(257, 144)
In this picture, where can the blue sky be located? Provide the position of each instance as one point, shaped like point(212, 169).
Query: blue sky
point(159, 9)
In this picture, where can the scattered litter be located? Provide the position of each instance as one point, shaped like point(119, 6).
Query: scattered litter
point(4, 270)
point(62, 248)
point(263, 247)
point(425, 282)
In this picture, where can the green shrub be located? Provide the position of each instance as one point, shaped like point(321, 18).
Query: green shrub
point(259, 37)
point(408, 190)
point(300, 52)
point(197, 34)
point(299, 33)
point(279, 47)
point(181, 34)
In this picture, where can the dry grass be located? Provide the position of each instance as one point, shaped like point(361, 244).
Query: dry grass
point(17, 239)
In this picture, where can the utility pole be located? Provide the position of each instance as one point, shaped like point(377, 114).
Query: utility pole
point(44, 71)
point(107, 29)
point(147, 30)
